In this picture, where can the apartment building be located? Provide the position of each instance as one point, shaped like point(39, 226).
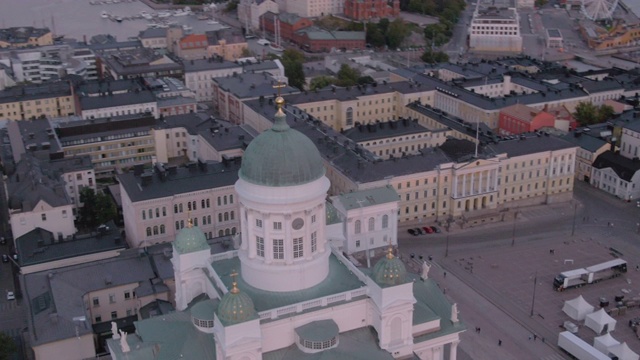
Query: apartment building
point(154, 38)
point(71, 308)
point(202, 191)
point(230, 91)
point(591, 144)
point(110, 105)
point(311, 8)
point(24, 36)
point(517, 119)
point(495, 27)
point(198, 74)
point(620, 35)
point(342, 108)
point(112, 143)
point(251, 11)
point(229, 45)
point(22, 102)
point(136, 62)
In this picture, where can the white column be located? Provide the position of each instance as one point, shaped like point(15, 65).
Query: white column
point(453, 351)
point(480, 189)
point(455, 187)
point(464, 185)
point(473, 183)
point(495, 180)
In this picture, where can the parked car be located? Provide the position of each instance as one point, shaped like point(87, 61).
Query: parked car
point(412, 232)
point(5, 258)
point(420, 231)
point(427, 229)
point(435, 229)
point(11, 295)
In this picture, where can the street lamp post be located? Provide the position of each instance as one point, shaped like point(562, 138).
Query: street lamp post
point(446, 249)
point(533, 298)
point(513, 234)
point(575, 212)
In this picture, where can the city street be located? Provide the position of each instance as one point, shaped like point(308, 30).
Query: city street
point(493, 280)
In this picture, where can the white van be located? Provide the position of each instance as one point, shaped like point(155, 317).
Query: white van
point(264, 42)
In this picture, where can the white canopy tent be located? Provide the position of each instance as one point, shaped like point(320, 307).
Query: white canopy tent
point(577, 308)
point(598, 320)
point(604, 342)
point(623, 352)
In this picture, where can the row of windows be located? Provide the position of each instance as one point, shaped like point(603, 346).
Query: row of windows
point(127, 295)
point(372, 224)
point(277, 225)
point(278, 247)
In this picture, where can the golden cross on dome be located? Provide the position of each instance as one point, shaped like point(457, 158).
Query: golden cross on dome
point(234, 284)
point(279, 85)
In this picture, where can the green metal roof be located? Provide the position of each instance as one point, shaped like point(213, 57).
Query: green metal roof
point(236, 307)
point(430, 305)
point(322, 330)
point(281, 156)
point(340, 279)
point(389, 271)
point(204, 310)
point(190, 239)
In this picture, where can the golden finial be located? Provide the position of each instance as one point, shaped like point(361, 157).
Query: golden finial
point(279, 100)
point(189, 220)
point(234, 284)
point(390, 252)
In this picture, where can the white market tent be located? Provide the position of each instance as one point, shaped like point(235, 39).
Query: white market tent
point(604, 342)
point(598, 320)
point(623, 352)
point(577, 308)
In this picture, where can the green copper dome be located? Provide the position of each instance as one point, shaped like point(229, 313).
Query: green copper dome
point(389, 270)
point(281, 156)
point(235, 307)
point(190, 239)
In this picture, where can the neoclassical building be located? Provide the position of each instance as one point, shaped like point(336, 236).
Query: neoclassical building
point(286, 293)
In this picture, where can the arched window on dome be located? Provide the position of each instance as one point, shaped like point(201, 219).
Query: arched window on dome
point(208, 219)
point(157, 212)
point(231, 199)
point(202, 203)
point(150, 213)
point(164, 211)
point(385, 221)
point(226, 216)
point(195, 221)
point(233, 230)
point(162, 229)
point(144, 215)
point(177, 225)
point(208, 203)
point(180, 207)
point(220, 217)
point(149, 231)
point(204, 220)
point(219, 202)
point(181, 224)
point(155, 230)
point(225, 200)
point(227, 231)
point(194, 205)
point(175, 208)
point(189, 206)
point(232, 215)
point(349, 116)
point(372, 224)
point(358, 227)
point(220, 233)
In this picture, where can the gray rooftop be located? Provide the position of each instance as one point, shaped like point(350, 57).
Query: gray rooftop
point(219, 134)
point(107, 101)
point(585, 141)
point(251, 86)
point(383, 130)
point(35, 92)
point(21, 35)
point(41, 246)
point(98, 87)
point(624, 167)
point(209, 64)
point(366, 198)
point(185, 180)
point(152, 33)
point(34, 181)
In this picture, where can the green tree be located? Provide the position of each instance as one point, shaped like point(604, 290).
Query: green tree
point(231, 6)
point(362, 80)
point(586, 113)
point(605, 112)
point(375, 37)
point(320, 82)
point(383, 25)
point(347, 76)
point(98, 208)
point(434, 57)
point(396, 33)
point(292, 61)
point(7, 346)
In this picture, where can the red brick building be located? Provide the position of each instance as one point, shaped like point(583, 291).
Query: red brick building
point(517, 119)
point(371, 9)
point(322, 41)
point(192, 46)
point(289, 24)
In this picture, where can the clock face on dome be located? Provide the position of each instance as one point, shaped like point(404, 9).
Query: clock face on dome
point(297, 224)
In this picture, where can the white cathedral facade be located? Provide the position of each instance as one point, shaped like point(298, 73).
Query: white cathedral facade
point(287, 292)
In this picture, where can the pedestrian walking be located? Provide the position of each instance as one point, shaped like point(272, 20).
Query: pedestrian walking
point(535, 337)
point(530, 337)
point(499, 342)
point(445, 274)
point(478, 330)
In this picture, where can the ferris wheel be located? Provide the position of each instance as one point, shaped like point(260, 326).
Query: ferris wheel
point(598, 9)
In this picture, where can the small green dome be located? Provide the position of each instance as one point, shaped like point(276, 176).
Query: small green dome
point(190, 239)
point(236, 307)
point(281, 156)
point(389, 270)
